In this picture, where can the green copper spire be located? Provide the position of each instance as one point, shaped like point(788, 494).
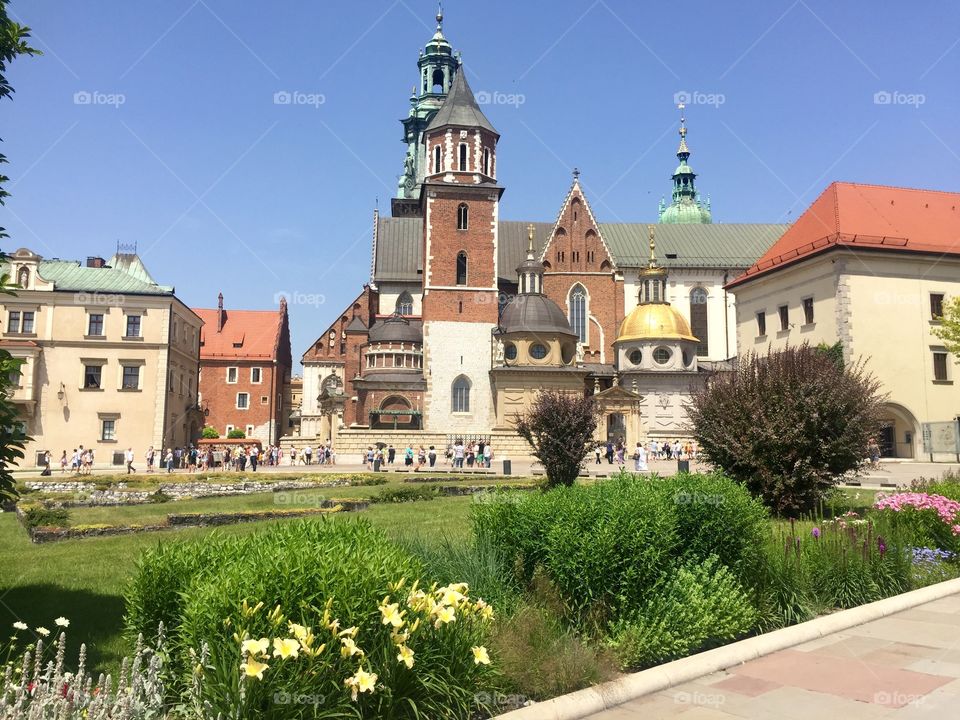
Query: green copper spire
point(685, 206)
point(438, 65)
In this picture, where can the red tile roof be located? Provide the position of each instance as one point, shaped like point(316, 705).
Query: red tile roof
point(867, 216)
point(253, 334)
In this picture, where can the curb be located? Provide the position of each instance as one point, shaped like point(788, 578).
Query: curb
point(583, 703)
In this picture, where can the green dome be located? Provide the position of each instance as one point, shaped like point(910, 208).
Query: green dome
point(686, 212)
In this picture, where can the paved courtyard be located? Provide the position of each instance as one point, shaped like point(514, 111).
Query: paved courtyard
point(903, 666)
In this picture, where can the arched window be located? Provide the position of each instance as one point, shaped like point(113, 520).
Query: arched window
point(405, 304)
point(460, 402)
point(486, 161)
point(461, 268)
point(436, 159)
point(437, 81)
point(463, 216)
point(463, 157)
point(698, 319)
point(577, 301)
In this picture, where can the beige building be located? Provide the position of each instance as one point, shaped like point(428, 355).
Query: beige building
point(110, 358)
point(869, 267)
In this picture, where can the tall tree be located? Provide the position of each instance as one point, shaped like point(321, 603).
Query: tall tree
point(14, 41)
point(788, 425)
point(949, 328)
point(559, 427)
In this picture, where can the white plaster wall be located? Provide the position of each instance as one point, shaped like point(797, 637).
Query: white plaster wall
point(390, 291)
point(452, 349)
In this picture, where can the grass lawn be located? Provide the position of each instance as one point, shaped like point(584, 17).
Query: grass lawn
point(83, 580)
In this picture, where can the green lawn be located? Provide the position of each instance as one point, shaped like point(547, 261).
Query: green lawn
point(83, 579)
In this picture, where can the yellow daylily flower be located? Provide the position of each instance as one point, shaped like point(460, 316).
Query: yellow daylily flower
point(405, 655)
point(350, 631)
point(298, 631)
point(400, 638)
point(255, 647)
point(451, 597)
point(285, 648)
point(444, 614)
point(391, 615)
point(480, 656)
point(349, 648)
point(360, 682)
point(252, 668)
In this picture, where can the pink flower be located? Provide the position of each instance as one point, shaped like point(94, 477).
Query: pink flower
point(946, 509)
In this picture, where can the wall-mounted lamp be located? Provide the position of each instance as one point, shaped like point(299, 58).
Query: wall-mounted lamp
point(62, 392)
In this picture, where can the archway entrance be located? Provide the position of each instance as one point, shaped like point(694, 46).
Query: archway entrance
point(898, 433)
point(616, 428)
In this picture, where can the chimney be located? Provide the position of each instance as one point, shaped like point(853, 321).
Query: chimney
point(95, 262)
point(220, 317)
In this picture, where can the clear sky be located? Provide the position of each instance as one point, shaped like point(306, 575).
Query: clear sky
point(154, 121)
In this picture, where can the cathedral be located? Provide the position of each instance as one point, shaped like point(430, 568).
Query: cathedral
point(466, 316)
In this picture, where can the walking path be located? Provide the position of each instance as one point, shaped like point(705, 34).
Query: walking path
point(902, 666)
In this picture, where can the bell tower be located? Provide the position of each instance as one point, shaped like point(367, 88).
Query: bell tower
point(437, 66)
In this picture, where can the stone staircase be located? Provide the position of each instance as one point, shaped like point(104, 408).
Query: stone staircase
point(352, 443)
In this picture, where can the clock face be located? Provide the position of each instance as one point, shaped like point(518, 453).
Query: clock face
point(333, 334)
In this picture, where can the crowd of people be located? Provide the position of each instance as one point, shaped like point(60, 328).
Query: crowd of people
point(458, 454)
point(324, 455)
point(616, 452)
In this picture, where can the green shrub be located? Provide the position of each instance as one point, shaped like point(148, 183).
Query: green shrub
point(700, 605)
point(315, 582)
point(406, 494)
point(39, 516)
point(210, 433)
point(236, 434)
point(366, 480)
point(159, 496)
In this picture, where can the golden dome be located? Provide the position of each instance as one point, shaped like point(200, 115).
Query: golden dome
point(655, 321)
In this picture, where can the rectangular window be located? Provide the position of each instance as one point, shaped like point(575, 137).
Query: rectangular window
point(13, 377)
point(784, 317)
point(264, 399)
point(27, 325)
point(229, 429)
point(131, 377)
point(232, 375)
point(936, 306)
point(243, 401)
point(761, 323)
point(108, 430)
point(92, 375)
point(95, 324)
point(133, 326)
point(808, 311)
point(255, 374)
point(575, 256)
point(249, 432)
point(940, 366)
point(13, 321)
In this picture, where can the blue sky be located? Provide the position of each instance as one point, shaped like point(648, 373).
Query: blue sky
point(154, 121)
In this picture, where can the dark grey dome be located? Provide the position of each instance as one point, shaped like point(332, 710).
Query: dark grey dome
point(397, 329)
point(534, 313)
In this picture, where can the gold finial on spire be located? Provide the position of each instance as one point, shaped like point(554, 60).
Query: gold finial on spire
point(439, 17)
point(683, 130)
point(530, 230)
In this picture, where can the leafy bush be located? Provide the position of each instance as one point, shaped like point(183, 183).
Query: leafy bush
point(365, 480)
point(333, 612)
point(559, 428)
point(40, 516)
point(406, 494)
point(928, 519)
point(606, 547)
point(236, 434)
point(210, 433)
point(947, 486)
point(159, 496)
point(702, 604)
point(787, 425)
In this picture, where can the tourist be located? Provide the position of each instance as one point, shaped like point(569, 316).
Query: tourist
point(331, 455)
point(597, 450)
point(873, 452)
point(654, 449)
point(128, 458)
point(620, 454)
point(192, 459)
point(408, 455)
point(432, 455)
point(377, 459)
point(369, 457)
point(150, 457)
point(391, 454)
point(640, 458)
point(168, 460)
point(63, 462)
point(242, 455)
point(481, 458)
point(46, 464)
point(609, 452)
point(308, 455)
point(458, 453)
point(488, 455)
point(421, 458)
point(471, 454)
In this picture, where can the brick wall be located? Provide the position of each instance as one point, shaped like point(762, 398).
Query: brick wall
point(220, 397)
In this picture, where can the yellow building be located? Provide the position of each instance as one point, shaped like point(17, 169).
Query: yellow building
point(110, 358)
point(869, 267)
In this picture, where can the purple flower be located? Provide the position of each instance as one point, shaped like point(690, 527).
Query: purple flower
point(881, 545)
point(816, 533)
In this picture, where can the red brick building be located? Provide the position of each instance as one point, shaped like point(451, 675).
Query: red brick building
point(245, 363)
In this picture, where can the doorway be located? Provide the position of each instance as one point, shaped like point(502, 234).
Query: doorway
point(616, 428)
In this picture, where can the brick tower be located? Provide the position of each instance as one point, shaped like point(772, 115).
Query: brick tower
point(460, 206)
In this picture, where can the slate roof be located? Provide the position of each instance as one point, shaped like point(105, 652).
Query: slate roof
point(399, 254)
point(875, 217)
point(122, 275)
point(257, 332)
point(460, 107)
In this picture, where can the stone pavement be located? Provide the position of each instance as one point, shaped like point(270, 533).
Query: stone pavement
point(902, 666)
